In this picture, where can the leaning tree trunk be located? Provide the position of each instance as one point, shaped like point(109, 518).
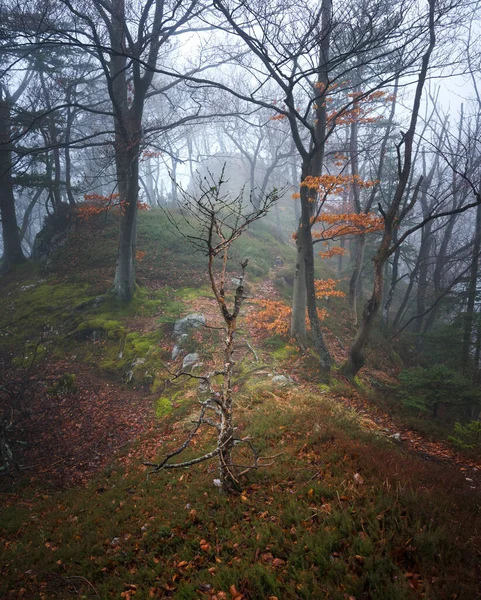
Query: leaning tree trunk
point(360, 242)
point(304, 290)
point(12, 245)
point(356, 358)
point(312, 164)
point(128, 138)
point(299, 298)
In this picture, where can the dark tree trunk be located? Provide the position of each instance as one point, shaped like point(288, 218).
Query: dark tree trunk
point(356, 359)
point(471, 295)
point(359, 243)
point(12, 245)
point(312, 164)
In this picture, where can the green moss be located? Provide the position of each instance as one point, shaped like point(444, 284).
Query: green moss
point(65, 385)
point(361, 386)
point(284, 353)
point(33, 310)
point(114, 330)
point(163, 407)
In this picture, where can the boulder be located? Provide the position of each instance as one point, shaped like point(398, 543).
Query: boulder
point(190, 360)
point(280, 381)
point(182, 327)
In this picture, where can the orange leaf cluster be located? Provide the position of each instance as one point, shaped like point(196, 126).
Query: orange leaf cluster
point(273, 316)
point(354, 115)
point(337, 225)
point(139, 255)
point(151, 154)
point(347, 224)
point(278, 117)
point(334, 185)
point(96, 204)
point(331, 252)
point(325, 288)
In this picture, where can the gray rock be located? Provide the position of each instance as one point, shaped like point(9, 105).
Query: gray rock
point(280, 381)
point(192, 321)
point(396, 437)
point(176, 350)
point(190, 359)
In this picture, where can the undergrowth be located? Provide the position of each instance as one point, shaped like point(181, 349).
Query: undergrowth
point(337, 515)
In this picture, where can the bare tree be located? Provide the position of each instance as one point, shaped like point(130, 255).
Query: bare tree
point(215, 221)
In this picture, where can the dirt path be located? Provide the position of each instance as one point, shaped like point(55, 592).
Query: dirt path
point(66, 438)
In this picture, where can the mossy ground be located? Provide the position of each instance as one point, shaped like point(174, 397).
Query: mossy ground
point(339, 513)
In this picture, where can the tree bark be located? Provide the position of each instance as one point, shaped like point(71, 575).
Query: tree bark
point(471, 295)
point(312, 164)
point(12, 246)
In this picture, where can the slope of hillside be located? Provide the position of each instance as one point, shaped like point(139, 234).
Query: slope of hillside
point(339, 510)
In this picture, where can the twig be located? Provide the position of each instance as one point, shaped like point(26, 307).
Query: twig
point(253, 351)
point(83, 579)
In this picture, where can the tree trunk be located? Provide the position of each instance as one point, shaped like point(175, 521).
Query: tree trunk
point(128, 173)
point(356, 359)
point(354, 283)
point(360, 242)
point(68, 160)
point(299, 300)
point(394, 282)
point(312, 165)
point(225, 440)
point(471, 295)
point(12, 245)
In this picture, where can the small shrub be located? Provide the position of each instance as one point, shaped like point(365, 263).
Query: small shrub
point(427, 390)
point(67, 384)
point(467, 437)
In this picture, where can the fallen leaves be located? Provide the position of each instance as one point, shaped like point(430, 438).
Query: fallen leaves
point(71, 437)
point(268, 558)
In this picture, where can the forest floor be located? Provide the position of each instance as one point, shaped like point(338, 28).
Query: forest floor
point(343, 511)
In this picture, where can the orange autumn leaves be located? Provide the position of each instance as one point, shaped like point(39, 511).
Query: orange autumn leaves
point(356, 107)
point(274, 316)
point(336, 225)
point(96, 204)
point(334, 185)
